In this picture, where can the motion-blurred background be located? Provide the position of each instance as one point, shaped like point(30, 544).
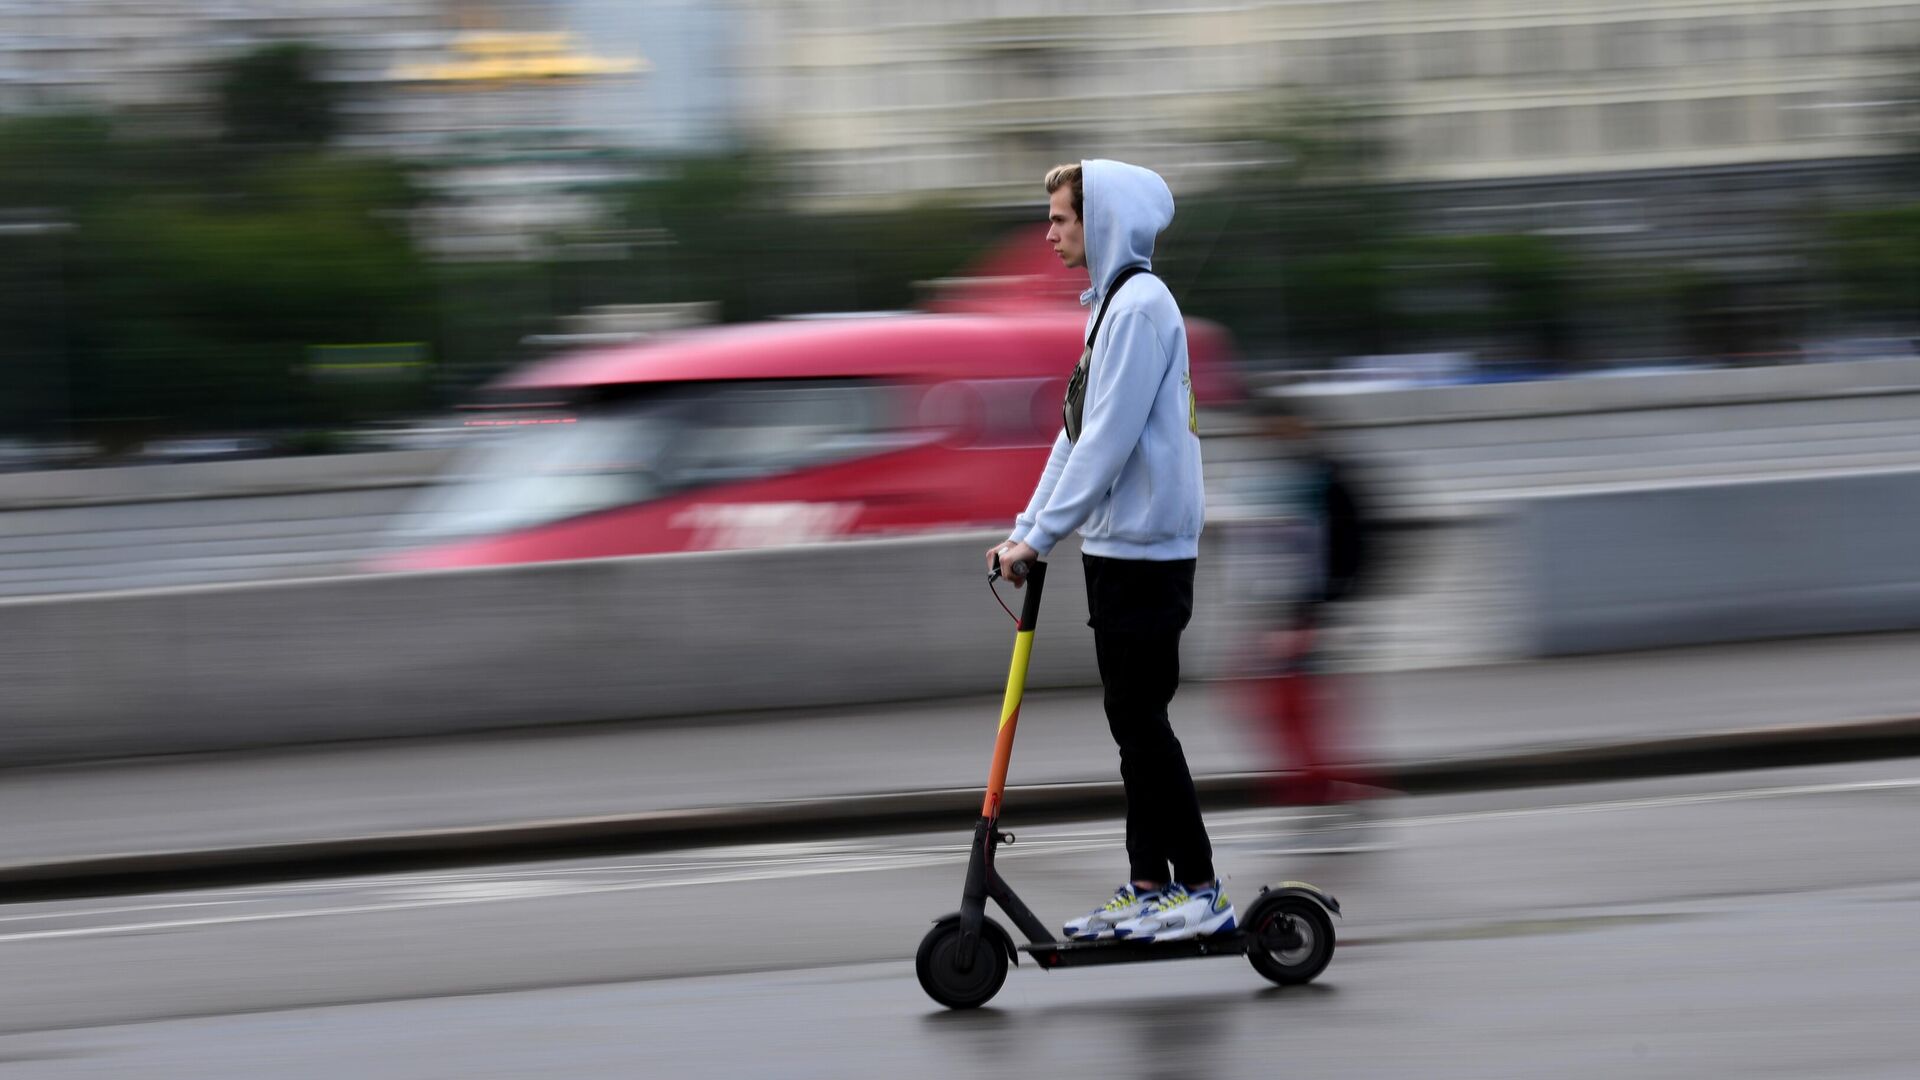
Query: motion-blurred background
point(286, 216)
point(586, 368)
point(309, 227)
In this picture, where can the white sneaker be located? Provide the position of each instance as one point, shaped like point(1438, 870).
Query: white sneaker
point(1098, 924)
point(1181, 913)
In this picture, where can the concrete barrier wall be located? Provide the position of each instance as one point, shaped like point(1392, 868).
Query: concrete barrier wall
point(1719, 562)
point(220, 479)
point(1661, 390)
point(420, 654)
point(1375, 408)
point(273, 663)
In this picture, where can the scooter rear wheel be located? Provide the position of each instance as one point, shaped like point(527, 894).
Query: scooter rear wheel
point(1292, 941)
point(938, 965)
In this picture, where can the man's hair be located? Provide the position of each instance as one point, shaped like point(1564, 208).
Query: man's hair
point(1060, 176)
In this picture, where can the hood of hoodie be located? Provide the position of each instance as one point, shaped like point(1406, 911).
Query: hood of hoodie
point(1125, 208)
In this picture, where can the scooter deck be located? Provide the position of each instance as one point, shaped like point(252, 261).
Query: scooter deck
point(1060, 954)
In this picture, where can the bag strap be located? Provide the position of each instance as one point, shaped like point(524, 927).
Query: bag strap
point(1119, 279)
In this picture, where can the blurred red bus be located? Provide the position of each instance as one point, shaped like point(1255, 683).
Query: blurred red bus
point(786, 432)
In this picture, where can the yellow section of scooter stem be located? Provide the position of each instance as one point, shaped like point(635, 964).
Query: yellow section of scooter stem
point(1016, 676)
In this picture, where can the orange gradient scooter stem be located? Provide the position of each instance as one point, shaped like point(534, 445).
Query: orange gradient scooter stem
point(1016, 688)
point(983, 881)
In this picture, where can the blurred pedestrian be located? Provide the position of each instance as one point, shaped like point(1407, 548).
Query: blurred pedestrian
point(1125, 471)
point(1302, 546)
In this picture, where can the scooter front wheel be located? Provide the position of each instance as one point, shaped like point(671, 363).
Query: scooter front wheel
point(945, 975)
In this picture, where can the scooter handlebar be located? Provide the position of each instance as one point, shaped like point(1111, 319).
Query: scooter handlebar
point(1016, 571)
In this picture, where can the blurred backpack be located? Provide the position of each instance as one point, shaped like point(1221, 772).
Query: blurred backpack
point(1349, 540)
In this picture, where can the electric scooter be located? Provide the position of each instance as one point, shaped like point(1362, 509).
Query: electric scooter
point(962, 962)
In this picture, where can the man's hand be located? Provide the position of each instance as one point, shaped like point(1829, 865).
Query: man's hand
point(1010, 554)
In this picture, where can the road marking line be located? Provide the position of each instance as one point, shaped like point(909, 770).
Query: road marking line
point(1656, 801)
point(82, 912)
point(409, 905)
point(824, 862)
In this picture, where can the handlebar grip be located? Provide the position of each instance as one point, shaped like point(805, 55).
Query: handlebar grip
point(1018, 570)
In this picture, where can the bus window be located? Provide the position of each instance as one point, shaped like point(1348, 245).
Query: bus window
point(642, 447)
point(741, 431)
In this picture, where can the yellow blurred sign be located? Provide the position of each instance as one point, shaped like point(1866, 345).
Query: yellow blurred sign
point(507, 57)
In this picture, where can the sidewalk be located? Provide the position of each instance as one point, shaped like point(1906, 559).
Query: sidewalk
point(1444, 727)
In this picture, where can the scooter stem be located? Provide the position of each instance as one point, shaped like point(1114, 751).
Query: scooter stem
point(1016, 688)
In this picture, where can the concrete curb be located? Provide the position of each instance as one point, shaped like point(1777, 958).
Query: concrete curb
point(948, 808)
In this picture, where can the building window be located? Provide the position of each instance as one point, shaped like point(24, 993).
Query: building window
point(1035, 75)
point(1447, 55)
point(1804, 116)
point(815, 89)
point(1449, 137)
point(1361, 10)
point(1540, 133)
point(1357, 61)
point(1169, 67)
point(893, 85)
point(918, 81)
point(959, 84)
point(1537, 50)
point(1629, 126)
point(1719, 121)
point(1223, 70)
point(1803, 33)
point(1305, 63)
point(1713, 40)
point(1257, 65)
point(1628, 46)
point(1856, 30)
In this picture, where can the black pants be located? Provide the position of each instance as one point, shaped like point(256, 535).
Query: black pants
point(1138, 610)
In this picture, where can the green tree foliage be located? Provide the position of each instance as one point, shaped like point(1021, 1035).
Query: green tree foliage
point(1308, 251)
point(276, 96)
point(210, 304)
point(1292, 251)
point(1514, 294)
point(1874, 257)
point(723, 229)
point(176, 284)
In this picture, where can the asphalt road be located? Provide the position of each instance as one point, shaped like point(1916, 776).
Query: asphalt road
point(1749, 925)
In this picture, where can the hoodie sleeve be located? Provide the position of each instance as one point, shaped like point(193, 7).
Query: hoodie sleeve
point(1123, 382)
point(1049, 477)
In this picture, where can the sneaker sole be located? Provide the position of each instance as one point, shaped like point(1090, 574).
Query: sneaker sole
point(1226, 925)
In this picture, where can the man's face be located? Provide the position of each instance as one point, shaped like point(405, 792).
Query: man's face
point(1066, 232)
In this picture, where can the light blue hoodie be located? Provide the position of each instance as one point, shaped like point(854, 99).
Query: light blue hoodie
point(1132, 483)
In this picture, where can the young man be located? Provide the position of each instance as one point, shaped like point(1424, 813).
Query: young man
point(1125, 472)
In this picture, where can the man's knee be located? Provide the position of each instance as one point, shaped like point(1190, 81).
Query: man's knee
point(1150, 735)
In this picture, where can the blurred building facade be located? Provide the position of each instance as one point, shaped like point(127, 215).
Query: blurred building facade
point(154, 54)
point(888, 99)
point(908, 98)
point(1699, 136)
point(1700, 130)
point(525, 108)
